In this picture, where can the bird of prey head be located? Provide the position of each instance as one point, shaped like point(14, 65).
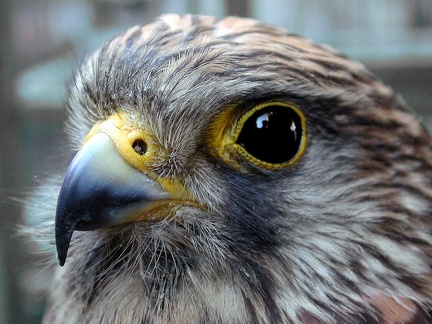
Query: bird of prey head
point(230, 172)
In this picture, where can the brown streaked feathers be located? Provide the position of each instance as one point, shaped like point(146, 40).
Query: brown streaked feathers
point(343, 235)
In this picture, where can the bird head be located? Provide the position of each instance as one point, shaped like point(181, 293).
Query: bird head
point(229, 171)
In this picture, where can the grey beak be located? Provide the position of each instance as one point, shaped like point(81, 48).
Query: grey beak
point(101, 189)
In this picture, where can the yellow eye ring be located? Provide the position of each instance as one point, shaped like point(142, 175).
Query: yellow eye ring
point(271, 135)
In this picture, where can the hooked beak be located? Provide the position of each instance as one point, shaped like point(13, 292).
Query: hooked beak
point(107, 184)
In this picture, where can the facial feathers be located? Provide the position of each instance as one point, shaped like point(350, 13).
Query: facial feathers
point(335, 229)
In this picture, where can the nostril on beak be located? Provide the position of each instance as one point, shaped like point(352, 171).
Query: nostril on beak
point(139, 146)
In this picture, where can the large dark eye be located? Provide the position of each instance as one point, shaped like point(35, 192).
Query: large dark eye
point(272, 134)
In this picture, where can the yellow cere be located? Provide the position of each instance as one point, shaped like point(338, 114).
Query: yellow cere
point(124, 132)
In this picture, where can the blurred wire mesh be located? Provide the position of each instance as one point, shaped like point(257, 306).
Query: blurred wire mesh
point(43, 41)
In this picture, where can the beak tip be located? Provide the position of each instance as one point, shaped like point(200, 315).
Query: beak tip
point(62, 244)
point(61, 262)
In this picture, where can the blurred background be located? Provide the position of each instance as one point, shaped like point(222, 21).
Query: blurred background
point(43, 41)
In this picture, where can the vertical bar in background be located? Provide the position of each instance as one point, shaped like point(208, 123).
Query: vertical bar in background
point(10, 302)
point(4, 53)
point(241, 8)
point(4, 312)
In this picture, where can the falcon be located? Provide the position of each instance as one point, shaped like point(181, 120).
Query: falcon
point(227, 171)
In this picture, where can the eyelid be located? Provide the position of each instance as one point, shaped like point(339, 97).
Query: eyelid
point(225, 131)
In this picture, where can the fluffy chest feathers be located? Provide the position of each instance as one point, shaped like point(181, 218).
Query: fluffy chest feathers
point(230, 172)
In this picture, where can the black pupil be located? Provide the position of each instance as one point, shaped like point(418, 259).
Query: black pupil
point(272, 134)
point(139, 146)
